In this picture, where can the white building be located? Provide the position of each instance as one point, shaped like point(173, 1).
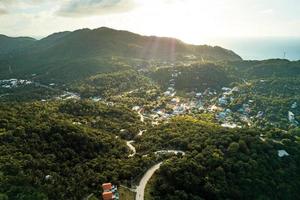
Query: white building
point(282, 153)
point(136, 108)
point(223, 101)
point(167, 93)
point(291, 117)
point(198, 95)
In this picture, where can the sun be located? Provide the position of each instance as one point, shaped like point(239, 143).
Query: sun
point(190, 20)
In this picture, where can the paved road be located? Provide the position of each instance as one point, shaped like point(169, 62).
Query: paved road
point(131, 147)
point(141, 132)
point(140, 190)
point(141, 116)
point(3, 95)
point(143, 182)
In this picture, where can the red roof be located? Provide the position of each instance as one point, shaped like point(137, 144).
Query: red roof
point(106, 186)
point(107, 195)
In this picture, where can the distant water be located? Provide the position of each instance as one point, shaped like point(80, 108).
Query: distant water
point(262, 48)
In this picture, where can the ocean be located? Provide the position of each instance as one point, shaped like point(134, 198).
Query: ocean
point(262, 48)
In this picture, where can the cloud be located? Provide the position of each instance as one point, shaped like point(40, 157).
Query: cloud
point(3, 11)
point(267, 11)
point(12, 2)
point(84, 8)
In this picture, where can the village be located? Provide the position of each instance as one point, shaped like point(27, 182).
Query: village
point(216, 103)
point(13, 83)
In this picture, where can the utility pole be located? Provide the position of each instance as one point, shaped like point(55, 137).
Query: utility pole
point(9, 69)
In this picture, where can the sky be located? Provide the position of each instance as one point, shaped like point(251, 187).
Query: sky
point(193, 21)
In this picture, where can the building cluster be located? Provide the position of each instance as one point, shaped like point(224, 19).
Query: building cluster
point(110, 192)
point(171, 89)
point(68, 95)
point(292, 119)
point(14, 83)
point(291, 115)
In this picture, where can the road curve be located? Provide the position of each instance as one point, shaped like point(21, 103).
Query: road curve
point(141, 116)
point(140, 190)
point(143, 182)
point(131, 147)
point(141, 132)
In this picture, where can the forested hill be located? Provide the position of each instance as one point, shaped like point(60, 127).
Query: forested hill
point(8, 44)
point(107, 42)
point(87, 49)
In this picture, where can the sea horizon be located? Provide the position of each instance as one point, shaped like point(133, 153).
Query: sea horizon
point(262, 48)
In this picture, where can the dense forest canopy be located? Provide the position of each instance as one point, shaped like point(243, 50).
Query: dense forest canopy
point(223, 163)
point(63, 150)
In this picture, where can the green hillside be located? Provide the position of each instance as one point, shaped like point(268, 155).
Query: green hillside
point(11, 44)
point(91, 51)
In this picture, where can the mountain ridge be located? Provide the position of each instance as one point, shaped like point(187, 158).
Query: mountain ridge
point(86, 50)
point(121, 34)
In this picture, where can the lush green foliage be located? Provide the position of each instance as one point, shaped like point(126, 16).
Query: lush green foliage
point(108, 84)
point(274, 97)
point(267, 68)
point(9, 44)
point(196, 77)
point(223, 163)
point(40, 139)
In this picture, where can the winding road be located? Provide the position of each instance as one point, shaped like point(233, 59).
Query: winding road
point(140, 190)
point(141, 116)
point(131, 147)
point(141, 132)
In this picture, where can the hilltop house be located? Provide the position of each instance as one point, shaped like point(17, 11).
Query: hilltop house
point(110, 192)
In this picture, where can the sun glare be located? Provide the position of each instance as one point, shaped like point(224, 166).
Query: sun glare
point(191, 20)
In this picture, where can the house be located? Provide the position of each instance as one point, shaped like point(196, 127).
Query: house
point(96, 99)
point(259, 114)
point(110, 192)
point(122, 130)
point(167, 93)
point(198, 95)
point(174, 75)
point(136, 108)
point(214, 108)
point(294, 105)
point(107, 196)
point(282, 153)
point(106, 187)
point(229, 125)
point(226, 89)
point(221, 115)
point(171, 89)
point(235, 89)
point(223, 101)
point(291, 117)
point(48, 177)
point(175, 100)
